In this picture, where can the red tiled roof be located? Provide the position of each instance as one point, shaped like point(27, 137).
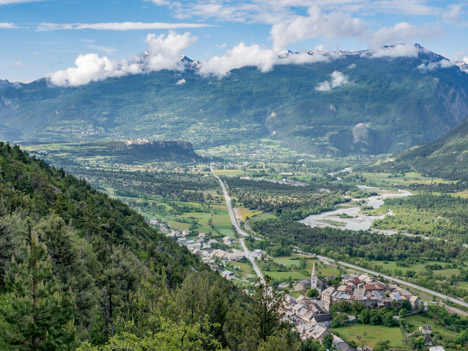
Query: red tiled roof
point(370, 287)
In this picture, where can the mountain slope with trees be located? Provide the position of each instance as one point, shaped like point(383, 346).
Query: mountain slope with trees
point(81, 270)
point(446, 157)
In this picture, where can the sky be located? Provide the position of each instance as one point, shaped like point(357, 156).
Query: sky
point(74, 42)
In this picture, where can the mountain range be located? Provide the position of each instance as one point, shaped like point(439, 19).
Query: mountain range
point(346, 102)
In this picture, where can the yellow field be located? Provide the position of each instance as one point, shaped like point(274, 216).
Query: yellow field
point(463, 194)
point(245, 212)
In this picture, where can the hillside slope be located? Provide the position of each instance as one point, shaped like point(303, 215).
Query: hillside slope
point(383, 105)
point(79, 267)
point(446, 157)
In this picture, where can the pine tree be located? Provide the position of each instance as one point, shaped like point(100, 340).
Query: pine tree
point(266, 304)
point(35, 315)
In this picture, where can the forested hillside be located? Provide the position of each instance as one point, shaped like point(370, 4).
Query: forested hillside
point(446, 157)
point(81, 270)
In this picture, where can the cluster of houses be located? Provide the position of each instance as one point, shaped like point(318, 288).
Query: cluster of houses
point(368, 291)
point(312, 317)
point(204, 246)
point(162, 227)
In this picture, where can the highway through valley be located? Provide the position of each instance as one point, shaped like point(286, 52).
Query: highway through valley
point(239, 230)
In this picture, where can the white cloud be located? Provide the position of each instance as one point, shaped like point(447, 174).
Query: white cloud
point(163, 52)
point(18, 63)
point(399, 50)
point(263, 59)
point(338, 79)
point(334, 25)
point(7, 25)
point(430, 66)
point(453, 13)
point(90, 68)
point(465, 59)
point(181, 82)
point(117, 26)
point(239, 56)
point(326, 19)
point(402, 32)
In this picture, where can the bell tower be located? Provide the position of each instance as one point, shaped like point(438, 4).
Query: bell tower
point(313, 278)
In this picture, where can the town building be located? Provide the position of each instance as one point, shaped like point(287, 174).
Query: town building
point(313, 283)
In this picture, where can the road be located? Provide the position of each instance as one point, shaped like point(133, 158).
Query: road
point(322, 258)
point(396, 280)
point(402, 282)
point(239, 230)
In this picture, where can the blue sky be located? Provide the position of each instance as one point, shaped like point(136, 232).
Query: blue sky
point(39, 38)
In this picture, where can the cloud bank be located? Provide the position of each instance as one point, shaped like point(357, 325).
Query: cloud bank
point(402, 32)
point(399, 50)
point(255, 56)
point(163, 52)
point(337, 80)
point(341, 25)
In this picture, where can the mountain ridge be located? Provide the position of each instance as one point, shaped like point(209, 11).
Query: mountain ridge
point(401, 102)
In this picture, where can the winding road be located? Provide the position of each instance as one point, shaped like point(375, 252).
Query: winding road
point(238, 229)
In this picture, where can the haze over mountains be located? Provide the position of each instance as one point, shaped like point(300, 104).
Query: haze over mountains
point(326, 102)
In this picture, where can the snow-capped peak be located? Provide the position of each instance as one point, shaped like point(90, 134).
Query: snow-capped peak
point(463, 64)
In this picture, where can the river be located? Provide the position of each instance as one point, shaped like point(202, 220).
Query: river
point(349, 216)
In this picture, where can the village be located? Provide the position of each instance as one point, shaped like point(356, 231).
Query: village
point(213, 251)
point(312, 316)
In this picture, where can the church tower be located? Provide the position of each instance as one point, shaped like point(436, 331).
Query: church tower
point(314, 279)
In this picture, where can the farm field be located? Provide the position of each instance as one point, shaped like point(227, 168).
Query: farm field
point(229, 172)
point(447, 272)
point(295, 268)
point(415, 321)
point(247, 213)
point(371, 334)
